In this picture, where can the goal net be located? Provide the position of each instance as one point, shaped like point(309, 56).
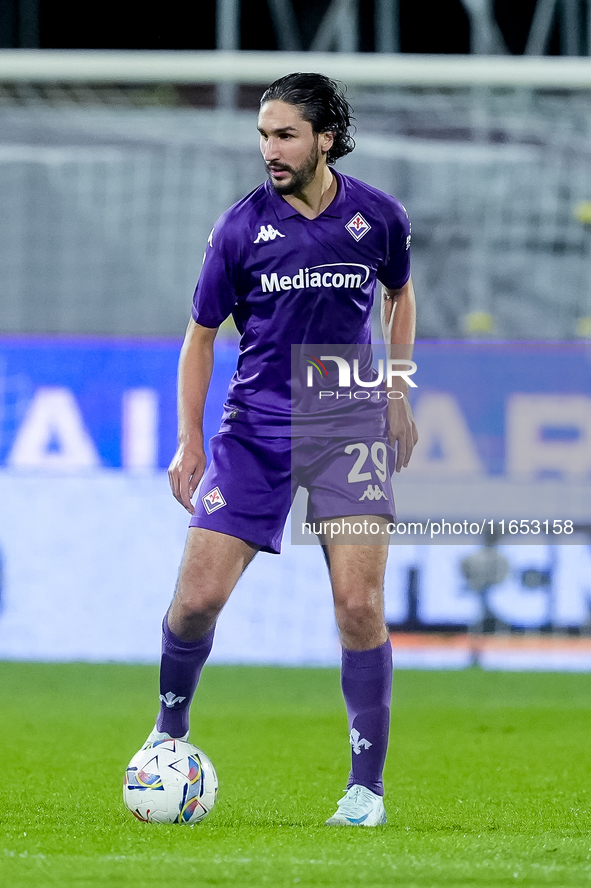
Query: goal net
point(116, 165)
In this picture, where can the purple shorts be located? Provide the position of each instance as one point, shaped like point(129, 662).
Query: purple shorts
point(249, 484)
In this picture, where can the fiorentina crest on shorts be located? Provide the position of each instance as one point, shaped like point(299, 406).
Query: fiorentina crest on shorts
point(358, 226)
point(213, 500)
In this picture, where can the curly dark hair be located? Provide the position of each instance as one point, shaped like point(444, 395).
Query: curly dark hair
point(321, 101)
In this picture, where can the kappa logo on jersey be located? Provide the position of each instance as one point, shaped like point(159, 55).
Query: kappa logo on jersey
point(209, 244)
point(267, 233)
point(358, 742)
point(358, 226)
point(373, 492)
point(213, 500)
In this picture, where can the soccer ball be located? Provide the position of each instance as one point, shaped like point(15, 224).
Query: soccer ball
point(170, 782)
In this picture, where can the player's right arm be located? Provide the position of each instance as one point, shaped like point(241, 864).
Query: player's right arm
point(194, 375)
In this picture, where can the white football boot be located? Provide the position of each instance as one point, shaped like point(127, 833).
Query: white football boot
point(359, 807)
point(155, 737)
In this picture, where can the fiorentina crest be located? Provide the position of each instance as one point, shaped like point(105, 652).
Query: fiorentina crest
point(213, 500)
point(358, 742)
point(358, 226)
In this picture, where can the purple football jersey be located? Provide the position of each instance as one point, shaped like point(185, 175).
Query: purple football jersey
point(289, 280)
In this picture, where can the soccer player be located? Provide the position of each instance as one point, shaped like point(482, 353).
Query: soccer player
point(296, 261)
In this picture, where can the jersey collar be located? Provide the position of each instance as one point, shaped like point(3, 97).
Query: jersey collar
point(284, 210)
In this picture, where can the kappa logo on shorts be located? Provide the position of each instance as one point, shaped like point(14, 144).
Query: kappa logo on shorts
point(358, 226)
point(213, 500)
point(373, 492)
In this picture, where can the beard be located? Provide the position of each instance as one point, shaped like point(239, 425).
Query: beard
point(300, 176)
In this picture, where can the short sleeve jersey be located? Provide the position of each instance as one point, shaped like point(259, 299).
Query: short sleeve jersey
point(288, 280)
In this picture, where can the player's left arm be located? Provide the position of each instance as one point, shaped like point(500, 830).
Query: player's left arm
point(398, 311)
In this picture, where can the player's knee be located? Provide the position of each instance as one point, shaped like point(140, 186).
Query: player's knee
point(200, 608)
point(193, 619)
point(356, 615)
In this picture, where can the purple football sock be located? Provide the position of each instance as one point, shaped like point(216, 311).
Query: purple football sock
point(180, 668)
point(366, 679)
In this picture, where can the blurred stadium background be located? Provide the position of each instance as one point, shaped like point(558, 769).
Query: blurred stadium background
point(121, 143)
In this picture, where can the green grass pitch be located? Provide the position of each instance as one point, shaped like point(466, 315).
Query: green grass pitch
point(488, 781)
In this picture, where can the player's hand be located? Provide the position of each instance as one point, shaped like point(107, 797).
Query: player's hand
point(402, 431)
point(184, 474)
